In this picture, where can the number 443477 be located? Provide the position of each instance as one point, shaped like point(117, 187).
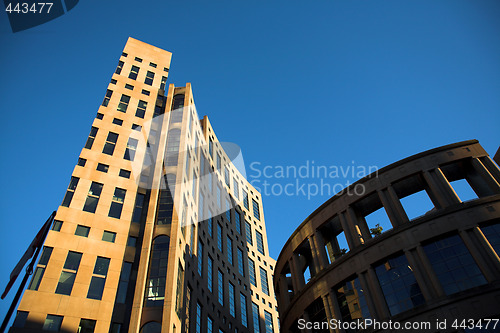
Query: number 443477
point(25, 8)
point(471, 323)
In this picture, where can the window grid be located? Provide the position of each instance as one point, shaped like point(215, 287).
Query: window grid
point(40, 268)
point(220, 287)
point(248, 229)
point(68, 274)
point(243, 306)
point(251, 272)
point(98, 280)
point(260, 242)
point(70, 192)
point(256, 209)
point(93, 197)
point(219, 237)
point(91, 138)
point(232, 308)
point(210, 273)
point(240, 262)
point(109, 145)
point(200, 258)
point(115, 210)
point(263, 281)
point(229, 245)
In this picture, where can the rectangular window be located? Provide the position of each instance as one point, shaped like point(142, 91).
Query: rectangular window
point(352, 302)
point(260, 242)
point(149, 78)
point(121, 294)
point(229, 245)
point(57, 225)
point(132, 241)
point(124, 173)
point(210, 225)
point(211, 148)
point(210, 181)
point(109, 236)
point(228, 211)
point(219, 237)
point(109, 146)
point(145, 92)
point(492, 234)
point(113, 81)
point(256, 318)
point(269, 322)
point(123, 105)
point(141, 109)
point(86, 326)
point(82, 230)
point(139, 204)
point(245, 199)
point(119, 67)
point(40, 268)
point(226, 177)
point(93, 197)
point(210, 273)
point(248, 231)
point(251, 272)
point(117, 121)
point(243, 306)
point(81, 162)
point(236, 189)
point(109, 93)
point(52, 323)
point(256, 211)
point(102, 167)
point(20, 320)
point(99, 116)
point(115, 210)
point(131, 149)
point(138, 59)
point(240, 262)
point(263, 281)
point(68, 274)
point(129, 86)
point(237, 220)
point(210, 324)
point(198, 318)
point(232, 308)
point(219, 163)
point(152, 64)
point(71, 190)
point(200, 258)
point(98, 280)
point(220, 287)
point(163, 82)
point(134, 71)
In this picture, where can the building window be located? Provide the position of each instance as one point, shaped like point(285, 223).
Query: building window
point(220, 287)
point(52, 323)
point(82, 230)
point(248, 231)
point(71, 190)
point(165, 69)
point(229, 245)
point(263, 281)
point(454, 265)
point(151, 327)
point(219, 163)
point(232, 308)
point(124, 173)
point(243, 306)
point(269, 322)
point(139, 204)
point(129, 86)
point(93, 197)
point(132, 241)
point(123, 105)
point(20, 320)
point(163, 82)
point(400, 288)
point(180, 288)
point(109, 93)
point(119, 67)
point(237, 219)
point(99, 116)
point(251, 272)
point(166, 201)
point(260, 242)
point(40, 268)
point(86, 326)
point(81, 162)
point(256, 318)
point(245, 199)
point(121, 293)
point(200, 258)
point(124, 54)
point(187, 308)
point(141, 109)
point(155, 287)
point(109, 236)
point(256, 211)
point(109, 146)
point(152, 64)
point(351, 300)
point(134, 71)
point(149, 78)
point(236, 189)
point(228, 211)
point(138, 59)
point(219, 198)
point(113, 81)
point(226, 177)
point(240, 261)
point(117, 121)
point(98, 280)
point(68, 274)
point(210, 325)
point(57, 225)
point(210, 225)
point(219, 237)
point(145, 92)
point(178, 103)
point(136, 127)
point(492, 234)
point(173, 142)
point(198, 318)
point(115, 210)
point(211, 147)
point(210, 272)
point(131, 149)
point(102, 167)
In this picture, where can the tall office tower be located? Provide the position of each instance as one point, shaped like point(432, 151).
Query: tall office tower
point(158, 230)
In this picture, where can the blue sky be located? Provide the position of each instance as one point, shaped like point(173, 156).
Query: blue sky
point(340, 83)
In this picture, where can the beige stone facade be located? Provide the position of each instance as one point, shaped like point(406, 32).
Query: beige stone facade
point(158, 231)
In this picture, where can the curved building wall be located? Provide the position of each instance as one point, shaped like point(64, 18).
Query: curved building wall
point(443, 264)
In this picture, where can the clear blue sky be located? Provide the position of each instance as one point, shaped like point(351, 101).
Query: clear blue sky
point(340, 83)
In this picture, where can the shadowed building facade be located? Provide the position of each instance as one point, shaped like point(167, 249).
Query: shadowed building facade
point(440, 264)
point(158, 231)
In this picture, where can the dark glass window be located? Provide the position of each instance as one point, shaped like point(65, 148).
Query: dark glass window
point(178, 102)
point(165, 69)
point(132, 241)
point(263, 281)
point(123, 105)
point(81, 162)
point(119, 67)
point(52, 323)
point(113, 81)
point(200, 258)
point(133, 72)
point(40, 268)
point(139, 203)
point(115, 210)
point(454, 265)
point(152, 64)
point(237, 219)
point(226, 177)
point(82, 230)
point(219, 237)
point(248, 230)
point(163, 82)
point(149, 78)
point(109, 146)
point(220, 287)
point(229, 247)
point(145, 92)
point(99, 115)
point(98, 280)
point(141, 109)
point(109, 236)
point(109, 93)
point(91, 138)
point(124, 173)
point(239, 254)
point(93, 197)
point(131, 149)
point(211, 147)
point(124, 54)
point(136, 127)
point(251, 272)
point(260, 242)
point(256, 318)
point(155, 287)
point(57, 225)
point(232, 308)
point(71, 190)
point(138, 59)
point(117, 121)
point(102, 167)
point(129, 86)
point(210, 273)
point(245, 199)
point(492, 234)
point(20, 320)
point(236, 189)
point(269, 322)
point(400, 288)
point(243, 307)
point(86, 326)
point(121, 294)
point(68, 274)
point(352, 302)
point(256, 209)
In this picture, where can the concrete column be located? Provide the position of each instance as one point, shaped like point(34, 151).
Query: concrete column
point(306, 317)
point(487, 249)
point(440, 189)
point(360, 225)
point(351, 237)
point(428, 272)
point(328, 310)
point(335, 308)
point(284, 297)
point(318, 251)
point(377, 294)
point(367, 294)
point(491, 166)
point(419, 276)
point(297, 276)
point(486, 184)
point(479, 257)
point(393, 206)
